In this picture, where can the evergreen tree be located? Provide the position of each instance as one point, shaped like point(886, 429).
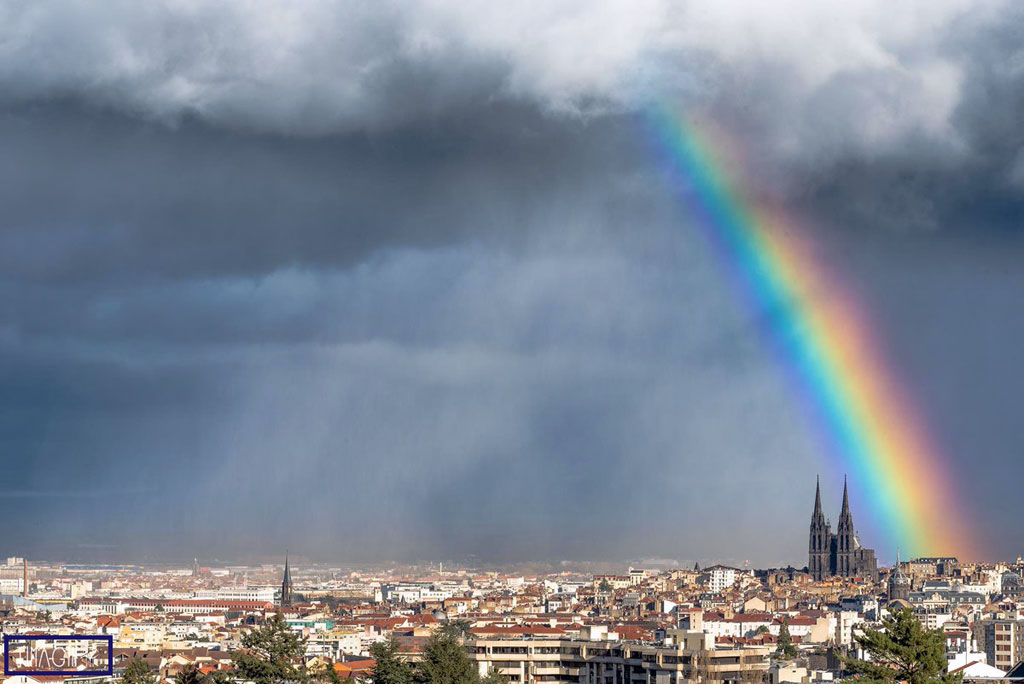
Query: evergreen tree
point(138, 672)
point(272, 653)
point(493, 677)
point(786, 648)
point(457, 629)
point(189, 674)
point(218, 677)
point(902, 651)
point(389, 667)
point(445, 662)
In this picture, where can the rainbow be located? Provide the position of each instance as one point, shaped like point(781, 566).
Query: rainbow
point(866, 419)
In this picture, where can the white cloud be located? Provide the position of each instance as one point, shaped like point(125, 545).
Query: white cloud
point(319, 66)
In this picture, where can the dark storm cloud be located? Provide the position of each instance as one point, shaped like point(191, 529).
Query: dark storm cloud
point(974, 184)
point(396, 280)
point(882, 117)
point(93, 196)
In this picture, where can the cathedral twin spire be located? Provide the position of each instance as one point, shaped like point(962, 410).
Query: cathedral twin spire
point(818, 516)
point(838, 553)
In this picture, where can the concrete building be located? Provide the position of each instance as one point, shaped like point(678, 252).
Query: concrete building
point(691, 656)
point(119, 606)
point(846, 620)
point(720, 577)
point(945, 566)
point(261, 594)
point(1001, 640)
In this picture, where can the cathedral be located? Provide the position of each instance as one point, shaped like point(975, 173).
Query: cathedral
point(840, 553)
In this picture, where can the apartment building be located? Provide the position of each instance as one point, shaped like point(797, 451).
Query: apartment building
point(117, 606)
point(691, 657)
point(260, 594)
point(721, 577)
point(1002, 641)
point(601, 582)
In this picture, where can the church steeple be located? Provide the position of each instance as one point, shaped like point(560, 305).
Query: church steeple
point(818, 515)
point(818, 543)
point(845, 526)
point(846, 537)
point(286, 584)
point(845, 513)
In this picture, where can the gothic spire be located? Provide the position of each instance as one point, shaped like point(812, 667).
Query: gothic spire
point(817, 515)
point(846, 521)
point(845, 513)
point(286, 583)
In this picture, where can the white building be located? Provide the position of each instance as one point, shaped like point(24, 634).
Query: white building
point(262, 594)
point(720, 577)
point(846, 620)
point(973, 666)
point(11, 585)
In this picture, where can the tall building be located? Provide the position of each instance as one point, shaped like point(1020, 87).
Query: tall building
point(1001, 640)
point(286, 584)
point(840, 553)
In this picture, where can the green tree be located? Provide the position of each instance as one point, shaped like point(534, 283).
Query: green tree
point(763, 629)
point(272, 653)
point(786, 648)
point(138, 672)
point(902, 651)
point(605, 586)
point(389, 667)
point(457, 629)
point(219, 677)
point(189, 674)
point(494, 677)
point(445, 662)
point(328, 675)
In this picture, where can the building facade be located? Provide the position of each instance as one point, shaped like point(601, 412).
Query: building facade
point(839, 553)
point(720, 577)
point(1001, 640)
point(579, 661)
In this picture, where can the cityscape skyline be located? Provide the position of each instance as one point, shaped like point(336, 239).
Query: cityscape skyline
point(114, 623)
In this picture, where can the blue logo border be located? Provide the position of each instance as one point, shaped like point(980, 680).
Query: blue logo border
point(109, 638)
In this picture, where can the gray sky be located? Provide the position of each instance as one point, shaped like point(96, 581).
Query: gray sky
point(383, 280)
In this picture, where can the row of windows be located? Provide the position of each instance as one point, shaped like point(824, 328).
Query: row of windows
point(540, 650)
